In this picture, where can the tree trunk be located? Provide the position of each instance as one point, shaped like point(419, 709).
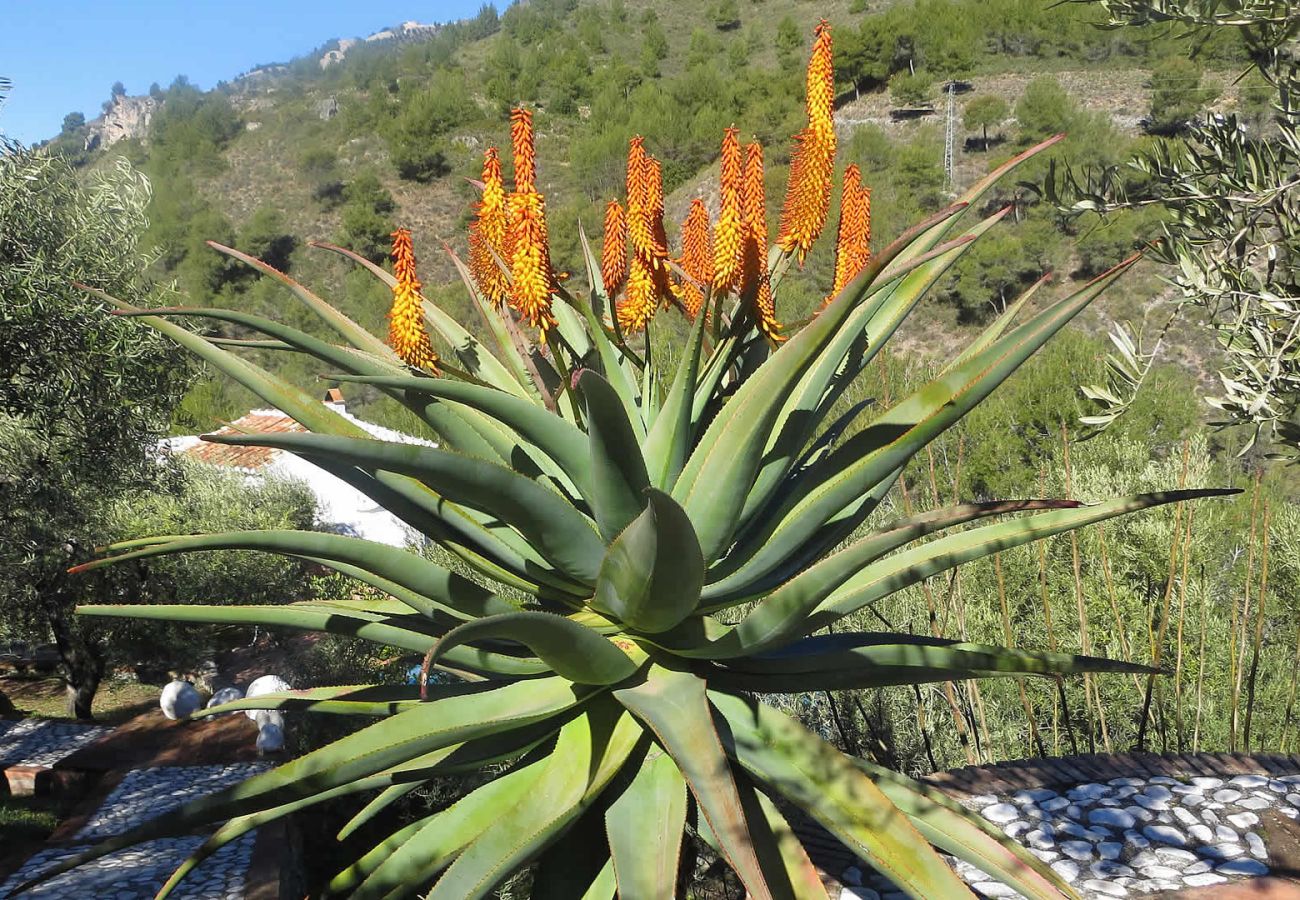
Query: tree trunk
point(83, 661)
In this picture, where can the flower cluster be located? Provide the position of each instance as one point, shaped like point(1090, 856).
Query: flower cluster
point(647, 279)
point(853, 236)
point(697, 257)
point(406, 332)
point(487, 235)
point(808, 194)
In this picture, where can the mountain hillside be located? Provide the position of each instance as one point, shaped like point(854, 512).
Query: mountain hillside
point(351, 139)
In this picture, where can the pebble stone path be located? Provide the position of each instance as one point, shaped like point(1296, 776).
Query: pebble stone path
point(43, 742)
point(139, 871)
point(1128, 837)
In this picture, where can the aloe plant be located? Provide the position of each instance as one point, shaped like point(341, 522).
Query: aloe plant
point(634, 510)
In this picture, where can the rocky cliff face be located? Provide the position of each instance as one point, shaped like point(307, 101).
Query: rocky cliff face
point(128, 117)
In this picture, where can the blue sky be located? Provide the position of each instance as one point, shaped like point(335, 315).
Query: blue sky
point(64, 55)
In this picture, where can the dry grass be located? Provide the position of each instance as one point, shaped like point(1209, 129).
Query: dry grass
point(43, 696)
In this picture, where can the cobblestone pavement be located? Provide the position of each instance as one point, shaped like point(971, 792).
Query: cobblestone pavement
point(138, 872)
point(147, 793)
point(43, 742)
point(1129, 837)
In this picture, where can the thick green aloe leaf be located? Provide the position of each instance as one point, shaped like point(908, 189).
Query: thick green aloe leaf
point(862, 335)
point(895, 436)
point(617, 361)
point(825, 784)
point(618, 474)
point(348, 700)
point(912, 566)
point(780, 612)
point(591, 750)
point(440, 588)
point(393, 630)
point(790, 873)
point(674, 706)
point(558, 439)
point(720, 471)
point(645, 825)
point(490, 553)
point(865, 660)
point(546, 520)
point(347, 329)
point(957, 830)
point(571, 650)
point(427, 850)
point(578, 864)
point(476, 358)
point(651, 576)
point(999, 326)
point(360, 362)
point(488, 545)
point(667, 444)
point(395, 741)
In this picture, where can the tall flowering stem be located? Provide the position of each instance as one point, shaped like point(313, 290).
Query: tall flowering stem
point(853, 235)
point(613, 250)
point(531, 273)
point(697, 257)
point(487, 236)
point(755, 282)
point(406, 332)
point(728, 241)
point(648, 277)
point(808, 193)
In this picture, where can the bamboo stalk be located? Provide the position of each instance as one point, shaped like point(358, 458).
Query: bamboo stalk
point(1290, 700)
point(1159, 644)
point(1200, 662)
point(949, 692)
point(1237, 649)
point(1124, 646)
point(1009, 638)
point(1182, 616)
point(1051, 634)
point(1260, 607)
point(1085, 642)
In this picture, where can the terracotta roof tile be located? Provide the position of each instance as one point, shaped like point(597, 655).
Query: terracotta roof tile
point(245, 457)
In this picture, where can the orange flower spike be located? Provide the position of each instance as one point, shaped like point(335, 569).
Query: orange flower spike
point(728, 242)
point(754, 280)
point(697, 256)
point(613, 250)
point(808, 193)
point(532, 278)
point(522, 143)
point(820, 82)
point(487, 237)
point(406, 333)
point(640, 204)
point(853, 236)
point(638, 306)
point(754, 219)
point(654, 186)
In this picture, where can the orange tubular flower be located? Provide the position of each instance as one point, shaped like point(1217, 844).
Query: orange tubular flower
point(808, 194)
point(638, 307)
point(853, 236)
point(406, 333)
point(697, 257)
point(532, 277)
point(522, 144)
point(754, 276)
point(487, 236)
point(728, 239)
point(613, 250)
point(640, 203)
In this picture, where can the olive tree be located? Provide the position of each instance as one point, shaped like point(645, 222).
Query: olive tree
point(84, 396)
